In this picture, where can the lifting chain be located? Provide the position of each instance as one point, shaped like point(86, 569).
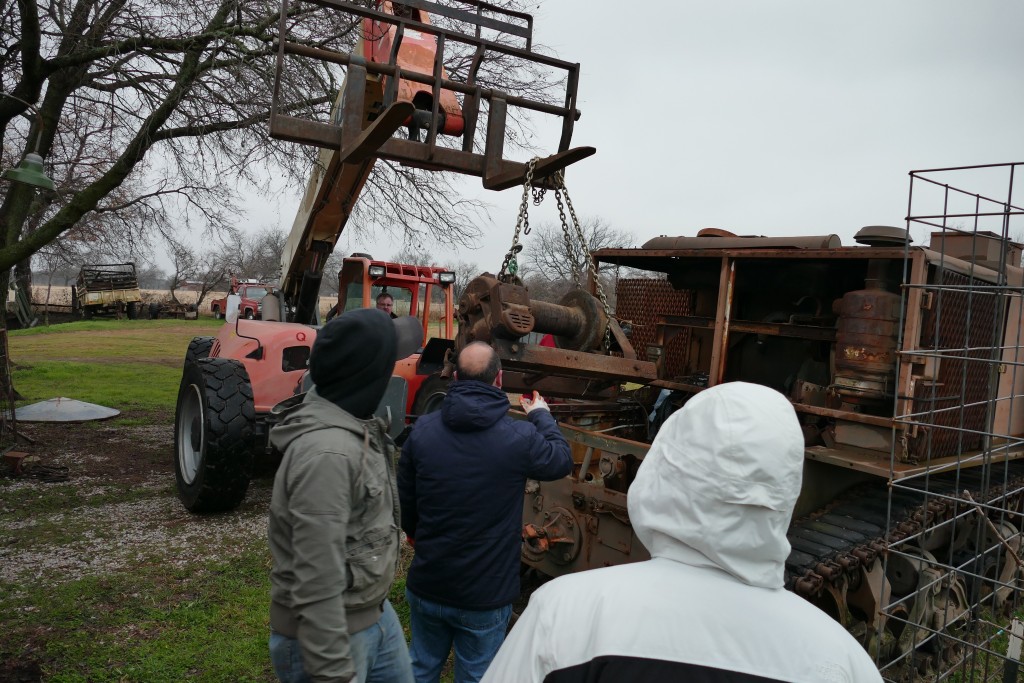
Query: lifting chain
point(575, 241)
point(582, 252)
point(510, 266)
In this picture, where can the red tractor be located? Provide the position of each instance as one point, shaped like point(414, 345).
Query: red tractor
point(224, 404)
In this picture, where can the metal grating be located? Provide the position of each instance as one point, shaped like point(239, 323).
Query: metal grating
point(953, 408)
point(639, 302)
point(954, 546)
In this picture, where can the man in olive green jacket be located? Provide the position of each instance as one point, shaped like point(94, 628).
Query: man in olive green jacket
point(334, 525)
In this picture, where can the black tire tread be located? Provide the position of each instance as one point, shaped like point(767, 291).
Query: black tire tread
point(230, 417)
point(198, 349)
point(431, 385)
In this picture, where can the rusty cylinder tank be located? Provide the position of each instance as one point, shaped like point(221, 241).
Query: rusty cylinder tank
point(866, 343)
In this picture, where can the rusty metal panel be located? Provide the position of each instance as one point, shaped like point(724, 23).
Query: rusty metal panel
point(954, 408)
point(639, 302)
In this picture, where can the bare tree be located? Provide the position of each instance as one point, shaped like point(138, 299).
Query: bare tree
point(151, 276)
point(464, 274)
point(329, 283)
point(147, 110)
point(549, 256)
point(256, 256)
point(414, 255)
point(57, 266)
point(204, 269)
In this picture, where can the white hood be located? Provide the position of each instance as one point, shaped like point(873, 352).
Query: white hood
point(718, 486)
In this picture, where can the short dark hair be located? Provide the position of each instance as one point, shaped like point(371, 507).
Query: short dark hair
point(485, 373)
point(384, 294)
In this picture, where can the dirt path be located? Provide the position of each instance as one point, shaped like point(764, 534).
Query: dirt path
point(115, 505)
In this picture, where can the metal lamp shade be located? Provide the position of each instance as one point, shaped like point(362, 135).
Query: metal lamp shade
point(30, 172)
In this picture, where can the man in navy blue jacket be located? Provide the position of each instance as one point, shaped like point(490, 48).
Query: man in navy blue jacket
point(461, 479)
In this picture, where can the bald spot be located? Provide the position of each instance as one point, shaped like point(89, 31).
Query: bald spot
point(474, 358)
point(474, 362)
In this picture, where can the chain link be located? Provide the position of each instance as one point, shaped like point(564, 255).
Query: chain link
point(510, 266)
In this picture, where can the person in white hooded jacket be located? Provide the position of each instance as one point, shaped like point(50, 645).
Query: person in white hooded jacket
point(711, 503)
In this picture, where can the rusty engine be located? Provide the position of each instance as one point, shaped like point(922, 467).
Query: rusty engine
point(900, 361)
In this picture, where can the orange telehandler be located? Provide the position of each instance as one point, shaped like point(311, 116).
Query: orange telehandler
point(394, 79)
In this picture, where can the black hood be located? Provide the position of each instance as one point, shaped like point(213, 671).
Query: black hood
point(353, 358)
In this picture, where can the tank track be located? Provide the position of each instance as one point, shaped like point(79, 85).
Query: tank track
point(896, 608)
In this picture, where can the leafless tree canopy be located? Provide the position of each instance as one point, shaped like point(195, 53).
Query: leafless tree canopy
point(549, 256)
point(254, 255)
point(151, 111)
point(550, 266)
point(204, 270)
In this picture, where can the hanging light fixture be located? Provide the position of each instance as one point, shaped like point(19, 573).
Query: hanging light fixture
point(30, 170)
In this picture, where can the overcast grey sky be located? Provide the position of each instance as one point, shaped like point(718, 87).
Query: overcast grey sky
point(771, 117)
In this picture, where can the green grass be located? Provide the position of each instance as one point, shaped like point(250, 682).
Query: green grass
point(152, 625)
point(125, 386)
point(206, 325)
point(122, 364)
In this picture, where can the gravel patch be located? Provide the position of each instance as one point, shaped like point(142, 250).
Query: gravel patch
point(116, 536)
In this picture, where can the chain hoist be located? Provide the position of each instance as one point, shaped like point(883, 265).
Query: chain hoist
point(576, 248)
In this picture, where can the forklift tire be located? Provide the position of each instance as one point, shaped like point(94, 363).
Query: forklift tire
point(154, 311)
point(216, 313)
point(198, 349)
point(133, 310)
point(431, 394)
point(249, 315)
point(214, 427)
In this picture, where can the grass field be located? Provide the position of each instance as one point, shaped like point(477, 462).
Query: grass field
point(104, 576)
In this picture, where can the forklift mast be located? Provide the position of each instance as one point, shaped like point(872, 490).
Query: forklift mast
point(395, 78)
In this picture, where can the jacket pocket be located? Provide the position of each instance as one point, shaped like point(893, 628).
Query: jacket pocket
point(370, 565)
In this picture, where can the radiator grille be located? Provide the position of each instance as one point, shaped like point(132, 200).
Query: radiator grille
point(639, 302)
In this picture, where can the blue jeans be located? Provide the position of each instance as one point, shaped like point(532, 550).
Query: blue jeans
point(379, 653)
point(476, 635)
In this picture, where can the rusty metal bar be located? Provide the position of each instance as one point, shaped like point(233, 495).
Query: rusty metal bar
point(980, 214)
point(772, 329)
point(515, 173)
point(844, 415)
point(435, 93)
point(476, 18)
point(430, 29)
point(675, 243)
point(570, 105)
point(915, 273)
point(720, 350)
point(563, 387)
point(393, 71)
point(391, 94)
point(563, 362)
point(471, 102)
